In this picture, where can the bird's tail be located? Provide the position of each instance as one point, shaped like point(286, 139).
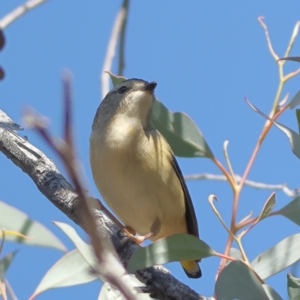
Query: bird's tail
point(191, 268)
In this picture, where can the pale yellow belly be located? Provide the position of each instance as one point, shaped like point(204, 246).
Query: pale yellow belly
point(138, 193)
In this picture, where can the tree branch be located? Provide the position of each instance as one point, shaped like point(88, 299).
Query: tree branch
point(120, 23)
point(253, 184)
point(19, 12)
point(158, 280)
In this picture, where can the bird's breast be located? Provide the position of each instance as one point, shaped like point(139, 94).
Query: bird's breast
point(134, 175)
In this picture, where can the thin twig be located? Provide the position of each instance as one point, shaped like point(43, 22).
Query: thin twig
point(291, 75)
point(225, 145)
point(250, 183)
point(19, 12)
point(274, 55)
point(10, 291)
point(111, 49)
point(122, 41)
point(264, 133)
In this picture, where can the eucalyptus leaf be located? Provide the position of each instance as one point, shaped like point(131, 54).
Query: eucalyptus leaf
point(292, 58)
point(298, 118)
point(293, 287)
point(15, 220)
point(109, 292)
point(235, 253)
point(111, 260)
point(116, 79)
point(277, 258)
point(71, 269)
point(295, 101)
point(292, 211)
point(5, 263)
point(268, 207)
point(85, 249)
point(293, 137)
point(177, 247)
point(271, 293)
point(237, 281)
point(184, 137)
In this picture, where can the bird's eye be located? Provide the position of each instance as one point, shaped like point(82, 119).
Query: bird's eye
point(122, 89)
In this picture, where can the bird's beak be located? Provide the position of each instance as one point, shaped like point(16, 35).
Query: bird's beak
point(150, 87)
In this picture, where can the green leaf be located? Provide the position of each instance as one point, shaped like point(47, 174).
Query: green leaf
point(5, 262)
point(295, 101)
point(177, 247)
point(237, 281)
point(85, 249)
point(88, 253)
point(71, 269)
point(268, 207)
point(184, 137)
point(271, 293)
point(291, 134)
point(115, 79)
point(292, 211)
point(298, 118)
point(277, 258)
point(235, 253)
point(292, 58)
point(15, 220)
point(293, 287)
point(109, 292)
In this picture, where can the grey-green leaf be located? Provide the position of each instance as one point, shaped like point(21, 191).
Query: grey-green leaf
point(295, 101)
point(116, 79)
point(237, 281)
point(292, 58)
point(15, 220)
point(184, 137)
point(292, 211)
point(177, 247)
point(277, 258)
point(293, 287)
point(271, 293)
point(109, 292)
point(291, 134)
point(5, 263)
point(235, 253)
point(71, 269)
point(268, 207)
point(298, 118)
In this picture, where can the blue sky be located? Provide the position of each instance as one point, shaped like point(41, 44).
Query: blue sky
point(206, 56)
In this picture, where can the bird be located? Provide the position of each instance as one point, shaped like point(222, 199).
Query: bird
point(135, 170)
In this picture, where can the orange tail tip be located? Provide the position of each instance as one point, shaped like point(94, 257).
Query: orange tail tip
point(191, 269)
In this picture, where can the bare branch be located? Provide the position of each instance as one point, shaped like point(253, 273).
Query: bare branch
point(19, 12)
point(111, 48)
point(159, 282)
point(122, 41)
point(253, 184)
point(264, 26)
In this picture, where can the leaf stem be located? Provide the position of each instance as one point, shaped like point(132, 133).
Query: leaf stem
point(225, 146)
point(226, 174)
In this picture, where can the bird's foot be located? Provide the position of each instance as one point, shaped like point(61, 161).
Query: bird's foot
point(130, 234)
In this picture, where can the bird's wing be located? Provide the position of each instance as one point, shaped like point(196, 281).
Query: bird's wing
point(190, 215)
